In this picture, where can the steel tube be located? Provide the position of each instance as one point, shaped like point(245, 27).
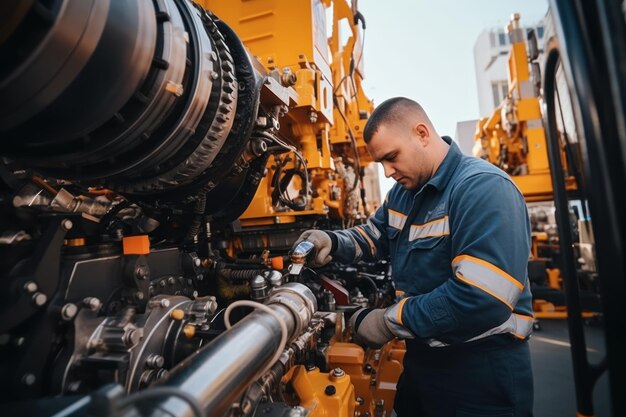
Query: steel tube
point(220, 372)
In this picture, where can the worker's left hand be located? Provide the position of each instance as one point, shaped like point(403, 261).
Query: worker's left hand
point(373, 327)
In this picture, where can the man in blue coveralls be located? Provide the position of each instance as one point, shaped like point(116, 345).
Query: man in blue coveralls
point(457, 231)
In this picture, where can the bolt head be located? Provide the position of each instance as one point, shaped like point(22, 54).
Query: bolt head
point(67, 224)
point(92, 303)
point(68, 312)
point(132, 337)
point(29, 379)
point(40, 299)
point(155, 361)
point(142, 272)
point(165, 303)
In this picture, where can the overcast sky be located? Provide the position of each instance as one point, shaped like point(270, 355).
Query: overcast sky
point(424, 50)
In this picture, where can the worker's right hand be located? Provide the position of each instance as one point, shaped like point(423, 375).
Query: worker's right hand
point(369, 327)
point(323, 246)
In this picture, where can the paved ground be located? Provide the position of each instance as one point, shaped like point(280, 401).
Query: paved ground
point(552, 367)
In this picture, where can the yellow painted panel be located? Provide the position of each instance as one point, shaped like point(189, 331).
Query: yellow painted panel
point(280, 32)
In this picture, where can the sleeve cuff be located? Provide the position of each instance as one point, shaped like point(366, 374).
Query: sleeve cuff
point(333, 239)
point(393, 319)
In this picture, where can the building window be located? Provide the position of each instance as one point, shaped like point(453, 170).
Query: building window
point(502, 38)
point(499, 90)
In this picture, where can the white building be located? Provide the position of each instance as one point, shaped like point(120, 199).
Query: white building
point(464, 135)
point(491, 53)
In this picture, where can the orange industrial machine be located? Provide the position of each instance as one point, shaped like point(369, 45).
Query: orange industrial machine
point(158, 160)
point(514, 139)
point(323, 120)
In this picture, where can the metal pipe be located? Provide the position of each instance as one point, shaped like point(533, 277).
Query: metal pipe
point(221, 371)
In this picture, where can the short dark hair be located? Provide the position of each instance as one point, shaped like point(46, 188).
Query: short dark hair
point(389, 111)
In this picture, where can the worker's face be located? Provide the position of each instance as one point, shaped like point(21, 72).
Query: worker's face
point(402, 152)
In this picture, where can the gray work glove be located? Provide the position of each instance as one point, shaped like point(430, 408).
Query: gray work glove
point(323, 246)
point(373, 327)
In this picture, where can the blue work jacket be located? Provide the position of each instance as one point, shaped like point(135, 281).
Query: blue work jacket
point(459, 248)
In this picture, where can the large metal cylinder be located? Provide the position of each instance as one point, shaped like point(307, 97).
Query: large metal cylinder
point(137, 95)
point(220, 372)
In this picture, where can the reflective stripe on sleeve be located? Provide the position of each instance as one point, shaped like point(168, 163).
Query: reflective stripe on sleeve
point(367, 238)
point(488, 278)
point(357, 249)
point(373, 230)
point(439, 227)
point(393, 319)
point(518, 325)
point(396, 219)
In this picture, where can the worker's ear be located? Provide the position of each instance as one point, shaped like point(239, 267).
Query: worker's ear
point(422, 133)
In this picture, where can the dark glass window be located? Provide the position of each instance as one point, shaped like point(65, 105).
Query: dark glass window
point(502, 38)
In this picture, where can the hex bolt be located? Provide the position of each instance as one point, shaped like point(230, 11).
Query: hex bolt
point(142, 272)
point(28, 379)
point(171, 280)
point(30, 287)
point(40, 299)
point(146, 377)
point(131, 337)
point(67, 224)
point(338, 372)
point(68, 312)
point(92, 303)
point(155, 361)
point(165, 303)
